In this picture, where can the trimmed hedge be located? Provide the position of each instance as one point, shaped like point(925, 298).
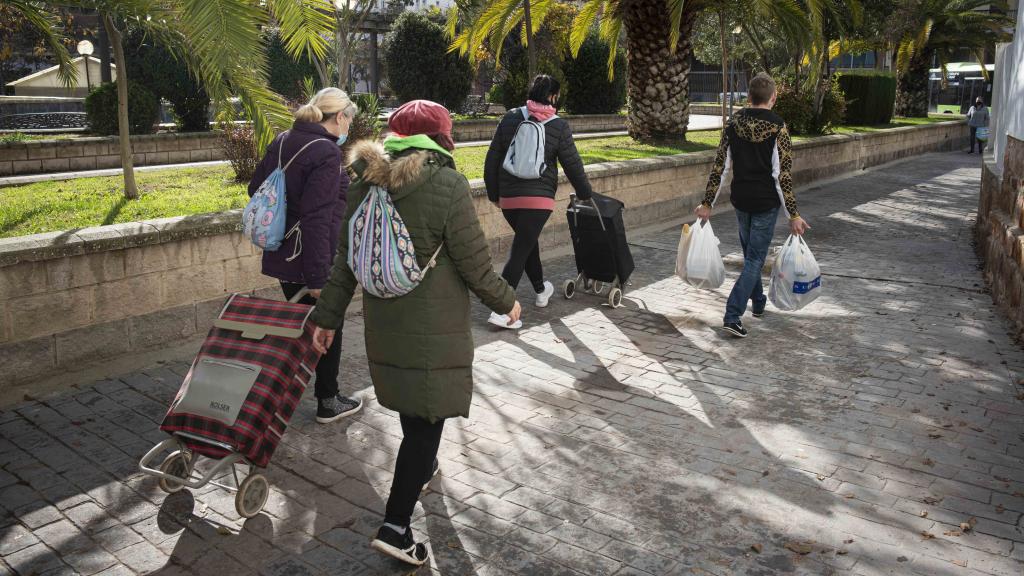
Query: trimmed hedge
point(870, 96)
point(101, 109)
point(157, 69)
point(588, 90)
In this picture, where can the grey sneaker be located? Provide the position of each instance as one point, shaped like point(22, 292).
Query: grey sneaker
point(330, 409)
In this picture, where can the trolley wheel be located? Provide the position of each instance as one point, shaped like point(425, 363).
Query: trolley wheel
point(598, 286)
point(252, 495)
point(177, 464)
point(615, 297)
point(569, 289)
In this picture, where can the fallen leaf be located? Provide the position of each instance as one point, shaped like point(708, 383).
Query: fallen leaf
point(821, 477)
point(927, 535)
point(842, 552)
point(729, 472)
point(923, 514)
point(850, 541)
point(764, 473)
point(935, 436)
point(960, 563)
point(800, 548)
point(931, 500)
point(757, 548)
point(848, 496)
point(915, 410)
point(223, 530)
point(1001, 478)
point(977, 429)
point(1000, 509)
point(454, 544)
point(928, 462)
point(1019, 494)
point(902, 559)
point(953, 533)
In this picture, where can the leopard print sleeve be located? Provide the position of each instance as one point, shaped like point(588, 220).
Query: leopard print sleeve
point(786, 172)
point(718, 170)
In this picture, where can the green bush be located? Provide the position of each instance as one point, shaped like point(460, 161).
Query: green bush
point(101, 109)
point(797, 109)
point(367, 124)
point(587, 88)
point(419, 65)
point(286, 75)
point(514, 86)
point(166, 76)
point(870, 96)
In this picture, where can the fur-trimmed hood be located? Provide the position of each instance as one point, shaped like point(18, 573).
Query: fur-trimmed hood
point(372, 163)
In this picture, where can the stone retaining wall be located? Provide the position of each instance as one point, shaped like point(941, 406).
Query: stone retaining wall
point(1000, 230)
point(46, 156)
point(75, 297)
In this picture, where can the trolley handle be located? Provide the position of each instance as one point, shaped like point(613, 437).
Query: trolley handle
point(574, 202)
point(299, 295)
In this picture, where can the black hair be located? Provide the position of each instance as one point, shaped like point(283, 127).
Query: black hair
point(980, 100)
point(543, 88)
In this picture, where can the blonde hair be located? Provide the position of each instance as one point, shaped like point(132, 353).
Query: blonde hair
point(325, 104)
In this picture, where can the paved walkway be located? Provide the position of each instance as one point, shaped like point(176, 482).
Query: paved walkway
point(854, 437)
point(697, 122)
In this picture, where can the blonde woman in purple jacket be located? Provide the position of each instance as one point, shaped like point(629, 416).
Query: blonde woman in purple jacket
point(316, 185)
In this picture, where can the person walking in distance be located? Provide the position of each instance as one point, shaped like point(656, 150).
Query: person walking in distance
point(419, 345)
point(756, 149)
point(315, 185)
point(527, 203)
point(977, 117)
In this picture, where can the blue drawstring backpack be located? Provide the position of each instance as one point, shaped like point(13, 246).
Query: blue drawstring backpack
point(381, 254)
point(263, 219)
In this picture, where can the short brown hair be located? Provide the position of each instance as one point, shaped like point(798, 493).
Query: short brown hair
point(760, 89)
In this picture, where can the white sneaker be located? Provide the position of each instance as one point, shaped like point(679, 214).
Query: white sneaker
point(501, 321)
point(544, 297)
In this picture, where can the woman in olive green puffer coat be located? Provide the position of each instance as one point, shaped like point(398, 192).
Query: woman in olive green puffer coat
point(420, 345)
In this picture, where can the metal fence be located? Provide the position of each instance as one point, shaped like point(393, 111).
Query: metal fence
point(706, 85)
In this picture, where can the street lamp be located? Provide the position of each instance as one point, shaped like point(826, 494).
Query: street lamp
point(732, 67)
point(85, 49)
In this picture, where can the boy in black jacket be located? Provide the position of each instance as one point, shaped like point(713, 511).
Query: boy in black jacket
point(756, 148)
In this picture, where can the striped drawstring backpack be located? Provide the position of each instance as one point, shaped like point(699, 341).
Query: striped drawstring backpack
point(381, 254)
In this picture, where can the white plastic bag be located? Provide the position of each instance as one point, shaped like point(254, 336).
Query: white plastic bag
point(682, 252)
point(796, 277)
point(704, 265)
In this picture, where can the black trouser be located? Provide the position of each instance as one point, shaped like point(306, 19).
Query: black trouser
point(415, 462)
point(974, 138)
point(525, 254)
point(327, 368)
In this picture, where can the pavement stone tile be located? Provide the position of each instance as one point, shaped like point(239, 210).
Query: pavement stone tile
point(633, 441)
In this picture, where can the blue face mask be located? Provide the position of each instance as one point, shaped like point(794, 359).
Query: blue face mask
point(342, 138)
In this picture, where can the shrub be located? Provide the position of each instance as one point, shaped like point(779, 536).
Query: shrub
point(419, 65)
point(101, 109)
point(286, 75)
point(166, 76)
point(870, 96)
point(239, 145)
point(511, 91)
point(797, 109)
point(366, 125)
point(587, 88)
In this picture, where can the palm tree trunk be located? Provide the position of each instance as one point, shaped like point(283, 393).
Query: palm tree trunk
point(658, 81)
point(725, 59)
point(531, 55)
point(912, 87)
point(131, 190)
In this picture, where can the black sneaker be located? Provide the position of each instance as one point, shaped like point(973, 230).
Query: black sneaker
point(330, 409)
point(433, 472)
point(736, 329)
point(757, 313)
point(400, 546)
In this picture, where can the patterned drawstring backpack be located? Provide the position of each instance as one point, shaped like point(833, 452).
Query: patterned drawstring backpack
point(381, 254)
point(263, 219)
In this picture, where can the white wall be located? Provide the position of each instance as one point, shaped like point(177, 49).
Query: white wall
point(1008, 94)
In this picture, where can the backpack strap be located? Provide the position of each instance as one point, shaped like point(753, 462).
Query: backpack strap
point(308, 144)
point(549, 120)
point(526, 113)
point(280, 148)
point(432, 262)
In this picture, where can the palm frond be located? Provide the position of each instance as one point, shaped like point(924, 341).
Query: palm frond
point(305, 25)
point(48, 24)
point(676, 9)
point(582, 24)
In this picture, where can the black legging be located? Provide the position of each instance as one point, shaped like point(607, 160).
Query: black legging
point(327, 369)
point(974, 138)
point(415, 462)
point(525, 254)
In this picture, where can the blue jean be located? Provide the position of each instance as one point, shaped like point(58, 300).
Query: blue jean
point(756, 231)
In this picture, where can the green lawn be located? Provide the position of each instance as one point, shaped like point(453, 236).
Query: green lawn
point(896, 123)
point(9, 137)
point(83, 202)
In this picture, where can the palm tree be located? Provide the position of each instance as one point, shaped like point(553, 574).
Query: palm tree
point(943, 28)
point(657, 38)
point(220, 40)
